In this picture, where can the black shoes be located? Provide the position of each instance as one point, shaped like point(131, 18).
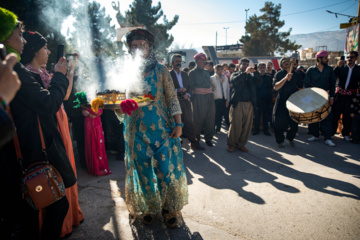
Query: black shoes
point(255, 132)
point(267, 133)
point(196, 146)
point(209, 143)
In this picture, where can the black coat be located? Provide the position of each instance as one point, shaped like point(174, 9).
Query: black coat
point(289, 88)
point(342, 72)
point(243, 87)
point(34, 100)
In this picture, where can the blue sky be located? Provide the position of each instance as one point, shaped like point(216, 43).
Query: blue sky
point(199, 20)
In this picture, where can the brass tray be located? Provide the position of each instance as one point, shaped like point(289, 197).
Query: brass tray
point(117, 105)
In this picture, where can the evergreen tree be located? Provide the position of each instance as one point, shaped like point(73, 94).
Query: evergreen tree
point(102, 33)
point(43, 16)
point(265, 37)
point(142, 13)
point(93, 30)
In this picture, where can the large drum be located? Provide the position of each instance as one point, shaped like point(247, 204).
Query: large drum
point(309, 105)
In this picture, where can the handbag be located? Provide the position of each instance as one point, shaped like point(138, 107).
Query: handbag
point(41, 183)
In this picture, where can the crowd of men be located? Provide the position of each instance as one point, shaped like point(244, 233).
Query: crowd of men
point(250, 98)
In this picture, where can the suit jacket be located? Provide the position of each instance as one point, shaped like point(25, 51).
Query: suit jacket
point(342, 72)
point(185, 80)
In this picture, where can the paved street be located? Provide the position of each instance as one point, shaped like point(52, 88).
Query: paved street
point(311, 191)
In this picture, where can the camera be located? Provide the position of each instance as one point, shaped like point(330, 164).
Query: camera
point(70, 56)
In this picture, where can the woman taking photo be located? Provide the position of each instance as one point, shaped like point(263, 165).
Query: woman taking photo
point(35, 57)
point(32, 102)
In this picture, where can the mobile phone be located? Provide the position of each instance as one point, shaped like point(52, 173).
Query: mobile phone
point(70, 56)
point(60, 52)
point(342, 58)
point(2, 51)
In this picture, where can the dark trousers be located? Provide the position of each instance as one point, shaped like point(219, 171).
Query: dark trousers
point(26, 224)
point(263, 106)
point(187, 120)
point(342, 106)
point(226, 116)
point(355, 127)
point(79, 137)
point(325, 126)
point(54, 218)
point(220, 111)
point(204, 115)
point(283, 123)
point(113, 132)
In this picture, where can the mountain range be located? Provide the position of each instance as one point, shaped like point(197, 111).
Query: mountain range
point(334, 40)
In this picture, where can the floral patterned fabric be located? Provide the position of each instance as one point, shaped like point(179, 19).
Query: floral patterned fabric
point(155, 173)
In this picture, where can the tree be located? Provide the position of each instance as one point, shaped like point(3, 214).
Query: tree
point(142, 13)
point(93, 30)
point(265, 38)
point(45, 17)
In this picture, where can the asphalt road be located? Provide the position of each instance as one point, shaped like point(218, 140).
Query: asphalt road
point(311, 191)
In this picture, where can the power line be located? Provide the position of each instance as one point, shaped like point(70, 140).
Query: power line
point(285, 15)
point(348, 7)
point(210, 23)
point(290, 14)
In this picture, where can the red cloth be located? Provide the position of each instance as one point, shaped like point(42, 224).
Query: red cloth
point(321, 54)
point(95, 154)
point(128, 105)
point(200, 56)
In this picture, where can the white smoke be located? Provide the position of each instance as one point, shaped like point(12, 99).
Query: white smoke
point(123, 73)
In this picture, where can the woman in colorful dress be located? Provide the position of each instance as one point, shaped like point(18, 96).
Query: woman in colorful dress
point(155, 175)
point(95, 153)
point(34, 57)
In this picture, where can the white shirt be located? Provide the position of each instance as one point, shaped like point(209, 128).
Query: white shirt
point(349, 76)
point(216, 82)
point(179, 78)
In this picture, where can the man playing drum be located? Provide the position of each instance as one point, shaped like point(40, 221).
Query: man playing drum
point(287, 83)
point(322, 76)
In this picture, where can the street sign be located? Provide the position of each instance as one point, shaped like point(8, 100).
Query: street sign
point(346, 25)
point(352, 22)
point(229, 47)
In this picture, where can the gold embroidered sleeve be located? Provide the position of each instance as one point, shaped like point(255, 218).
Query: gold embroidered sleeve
point(169, 92)
point(119, 116)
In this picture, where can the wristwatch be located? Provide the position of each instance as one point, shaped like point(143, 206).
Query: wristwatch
point(179, 124)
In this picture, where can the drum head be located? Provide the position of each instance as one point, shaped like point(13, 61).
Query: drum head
point(307, 100)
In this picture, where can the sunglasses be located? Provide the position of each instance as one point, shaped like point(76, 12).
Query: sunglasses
point(351, 57)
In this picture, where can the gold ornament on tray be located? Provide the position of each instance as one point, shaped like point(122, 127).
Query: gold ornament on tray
point(111, 99)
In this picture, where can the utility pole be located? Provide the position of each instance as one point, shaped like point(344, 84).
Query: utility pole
point(216, 41)
point(226, 28)
point(246, 10)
